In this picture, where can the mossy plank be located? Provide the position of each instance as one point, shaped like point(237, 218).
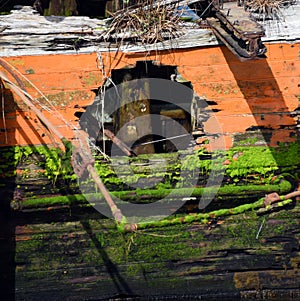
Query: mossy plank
point(82, 257)
point(66, 250)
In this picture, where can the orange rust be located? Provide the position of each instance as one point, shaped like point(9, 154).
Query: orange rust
point(245, 92)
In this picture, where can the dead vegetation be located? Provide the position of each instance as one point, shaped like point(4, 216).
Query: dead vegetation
point(267, 9)
point(147, 22)
point(150, 21)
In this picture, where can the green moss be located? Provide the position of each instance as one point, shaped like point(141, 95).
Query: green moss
point(248, 141)
point(17, 62)
point(244, 165)
point(150, 195)
point(64, 98)
point(53, 162)
point(29, 71)
point(91, 79)
point(249, 170)
point(240, 165)
point(53, 201)
point(198, 217)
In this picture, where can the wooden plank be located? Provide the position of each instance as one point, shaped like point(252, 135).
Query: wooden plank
point(83, 257)
point(24, 32)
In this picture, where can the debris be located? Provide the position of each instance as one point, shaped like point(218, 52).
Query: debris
point(153, 22)
point(273, 201)
point(238, 31)
point(129, 152)
point(275, 197)
point(267, 8)
point(147, 22)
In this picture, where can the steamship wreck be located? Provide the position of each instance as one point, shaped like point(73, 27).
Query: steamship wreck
point(228, 75)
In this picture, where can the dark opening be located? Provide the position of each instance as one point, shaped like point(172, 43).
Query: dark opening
point(90, 8)
point(158, 120)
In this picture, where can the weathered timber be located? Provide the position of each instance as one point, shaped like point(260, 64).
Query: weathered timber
point(71, 252)
point(134, 118)
point(25, 32)
point(62, 8)
point(236, 29)
point(34, 172)
point(78, 256)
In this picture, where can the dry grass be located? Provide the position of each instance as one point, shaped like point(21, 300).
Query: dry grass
point(147, 22)
point(267, 8)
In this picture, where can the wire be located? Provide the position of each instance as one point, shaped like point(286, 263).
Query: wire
point(164, 139)
point(3, 4)
point(72, 126)
point(206, 9)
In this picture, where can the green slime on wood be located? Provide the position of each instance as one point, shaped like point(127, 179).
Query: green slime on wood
point(198, 217)
point(256, 164)
point(265, 163)
point(90, 199)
